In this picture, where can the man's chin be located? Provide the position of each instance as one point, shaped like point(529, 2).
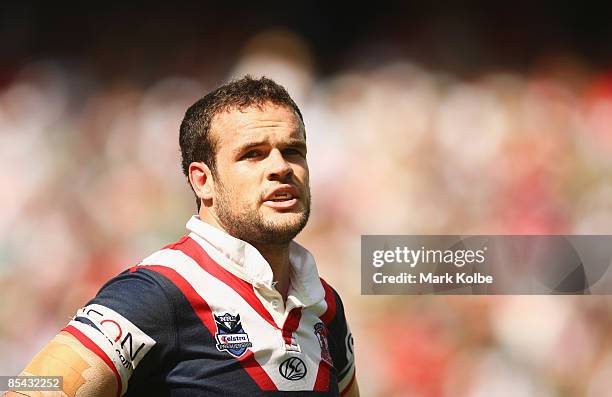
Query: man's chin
point(287, 225)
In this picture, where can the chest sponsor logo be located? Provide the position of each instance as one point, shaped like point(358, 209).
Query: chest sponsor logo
point(292, 369)
point(321, 333)
point(230, 335)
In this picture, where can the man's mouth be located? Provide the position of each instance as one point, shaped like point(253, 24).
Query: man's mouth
point(281, 199)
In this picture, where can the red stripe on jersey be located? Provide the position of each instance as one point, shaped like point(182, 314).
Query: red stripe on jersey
point(202, 310)
point(291, 324)
point(259, 375)
point(180, 241)
point(199, 305)
point(330, 299)
point(195, 251)
point(91, 345)
point(322, 382)
point(350, 384)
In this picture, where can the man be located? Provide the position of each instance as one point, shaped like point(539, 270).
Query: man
point(235, 307)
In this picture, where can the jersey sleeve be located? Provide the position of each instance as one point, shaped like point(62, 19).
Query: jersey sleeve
point(340, 340)
point(129, 325)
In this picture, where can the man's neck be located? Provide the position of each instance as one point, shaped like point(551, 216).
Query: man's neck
point(277, 256)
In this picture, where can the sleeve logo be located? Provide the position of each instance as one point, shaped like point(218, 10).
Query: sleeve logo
point(130, 343)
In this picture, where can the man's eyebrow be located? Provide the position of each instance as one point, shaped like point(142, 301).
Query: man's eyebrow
point(247, 146)
point(296, 143)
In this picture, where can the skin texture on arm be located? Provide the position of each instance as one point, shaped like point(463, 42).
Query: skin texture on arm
point(84, 373)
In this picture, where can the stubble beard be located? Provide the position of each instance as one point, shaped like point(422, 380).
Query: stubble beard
point(249, 225)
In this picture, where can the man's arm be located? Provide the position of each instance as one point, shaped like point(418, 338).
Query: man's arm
point(84, 373)
point(110, 338)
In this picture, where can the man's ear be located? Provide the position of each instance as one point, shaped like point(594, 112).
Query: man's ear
point(201, 181)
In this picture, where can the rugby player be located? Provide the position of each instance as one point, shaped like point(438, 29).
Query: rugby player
point(235, 307)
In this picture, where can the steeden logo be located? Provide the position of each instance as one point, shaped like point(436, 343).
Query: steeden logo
point(292, 368)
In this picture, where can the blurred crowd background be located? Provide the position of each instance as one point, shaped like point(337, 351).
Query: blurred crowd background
point(421, 119)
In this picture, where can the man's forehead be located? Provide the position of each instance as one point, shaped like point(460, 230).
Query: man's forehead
point(238, 125)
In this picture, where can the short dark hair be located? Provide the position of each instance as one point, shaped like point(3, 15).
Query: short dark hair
point(195, 139)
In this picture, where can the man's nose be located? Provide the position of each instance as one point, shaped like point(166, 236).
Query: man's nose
point(278, 167)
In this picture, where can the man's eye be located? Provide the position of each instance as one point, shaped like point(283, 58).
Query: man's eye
point(251, 154)
point(292, 152)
